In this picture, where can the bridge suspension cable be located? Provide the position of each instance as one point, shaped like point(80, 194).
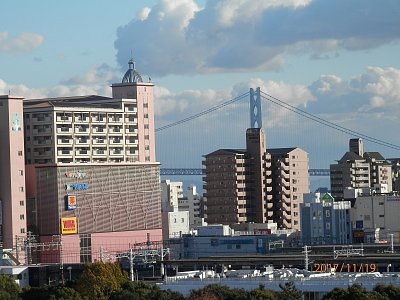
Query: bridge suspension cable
point(212, 109)
point(325, 122)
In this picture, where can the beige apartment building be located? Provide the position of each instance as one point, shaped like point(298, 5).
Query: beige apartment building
point(359, 169)
point(256, 184)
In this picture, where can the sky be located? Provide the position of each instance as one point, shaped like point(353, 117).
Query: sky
point(338, 59)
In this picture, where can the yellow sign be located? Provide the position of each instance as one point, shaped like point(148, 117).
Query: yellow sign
point(69, 225)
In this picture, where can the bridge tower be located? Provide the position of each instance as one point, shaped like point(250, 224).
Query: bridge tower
point(255, 109)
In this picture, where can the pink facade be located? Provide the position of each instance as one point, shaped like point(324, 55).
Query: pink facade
point(12, 171)
point(103, 246)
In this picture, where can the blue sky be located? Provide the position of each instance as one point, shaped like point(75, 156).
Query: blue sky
point(338, 59)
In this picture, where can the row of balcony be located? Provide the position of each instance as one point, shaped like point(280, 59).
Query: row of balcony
point(86, 130)
point(83, 141)
point(94, 119)
point(96, 152)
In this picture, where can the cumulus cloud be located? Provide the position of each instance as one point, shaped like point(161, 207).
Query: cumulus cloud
point(95, 81)
point(241, 35)
point(96, 75)
point(25, 42)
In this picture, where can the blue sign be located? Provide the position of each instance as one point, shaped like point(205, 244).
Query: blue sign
point(76, 186)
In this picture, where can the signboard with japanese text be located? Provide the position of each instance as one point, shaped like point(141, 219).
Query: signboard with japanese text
point(69, 225)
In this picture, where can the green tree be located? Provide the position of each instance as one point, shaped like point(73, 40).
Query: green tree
point(51, 293)
point(143, 291)
point(99, 280)
point(336, 294)
point(262, 294)
point(390, 291)
point(9, 289)
point(289, 291)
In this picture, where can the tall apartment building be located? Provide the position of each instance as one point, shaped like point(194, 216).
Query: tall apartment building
point(12, 172)
point(92, 174)
point(290, 181)
point(256, 184)
point(359, 169)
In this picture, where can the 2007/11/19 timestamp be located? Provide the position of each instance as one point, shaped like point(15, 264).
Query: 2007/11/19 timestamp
point(343, 267)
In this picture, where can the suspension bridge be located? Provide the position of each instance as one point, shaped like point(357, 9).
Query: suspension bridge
point(182, 143)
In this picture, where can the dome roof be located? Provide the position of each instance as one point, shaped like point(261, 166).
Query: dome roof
point(131, 75)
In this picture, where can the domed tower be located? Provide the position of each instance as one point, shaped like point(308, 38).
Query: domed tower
point(138, 101)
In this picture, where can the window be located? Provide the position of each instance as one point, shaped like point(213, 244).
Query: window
point(381, 216)
point(328, 226)
point(22, 230)
point(146, 137)
point(21, 188)
point(21, 203)
point(238, 246)
point(21, 217)
point(146, 126)
point(328, 213)
point(182, 220)
point(21, 172)
point(295, 189)
point(19, 153)
point(146, 116)
point(147, 147)
point(145, 105)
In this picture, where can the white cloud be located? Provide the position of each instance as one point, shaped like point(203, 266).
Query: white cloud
point(241, 35)
point(96, 75)
point(382, 86)
point(25, 42)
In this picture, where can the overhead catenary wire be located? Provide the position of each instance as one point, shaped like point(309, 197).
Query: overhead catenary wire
point(321, 121)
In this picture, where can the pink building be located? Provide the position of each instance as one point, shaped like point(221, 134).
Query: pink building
point(93, 183)
point(12, 174)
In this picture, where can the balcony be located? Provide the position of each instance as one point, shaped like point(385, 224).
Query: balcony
point(131, 109)
point(132, 152)
point(64, 152)
point(99, 130)
point(81, 130)
point(64, 130)
point(116, 152)
point(99, 152)
point(116, 141)
point(101, 119)
point(82, 152)
point(133, 131)
point(41, 131)
point(83, 141)
point(131, 142)
point(42, 153)
point(115, 120)
point(42, 142)
point(67, 119)
point(99, 141)
point(81, 120)
point(115, 130)
point(45, 119)
point(64, 141)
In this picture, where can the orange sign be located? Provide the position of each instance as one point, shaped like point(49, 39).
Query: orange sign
point(69, 225)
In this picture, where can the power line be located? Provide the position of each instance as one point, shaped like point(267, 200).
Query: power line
point(212, 109)
point(325, 122)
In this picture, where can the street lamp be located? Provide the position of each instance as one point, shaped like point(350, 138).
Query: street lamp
point(69, 270)
point(388, 268)
point(152, 266)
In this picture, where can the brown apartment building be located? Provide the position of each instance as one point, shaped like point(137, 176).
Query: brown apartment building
point(256, 184)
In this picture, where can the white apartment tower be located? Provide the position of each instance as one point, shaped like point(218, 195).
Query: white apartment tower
point(93, 129)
